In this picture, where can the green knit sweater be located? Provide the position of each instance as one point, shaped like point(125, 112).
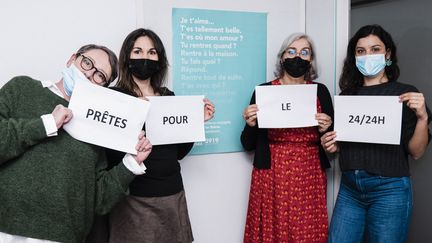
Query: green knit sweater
point(50, 187)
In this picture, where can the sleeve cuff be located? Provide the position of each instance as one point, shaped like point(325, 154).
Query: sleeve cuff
point(133, 166)
point(49, 124)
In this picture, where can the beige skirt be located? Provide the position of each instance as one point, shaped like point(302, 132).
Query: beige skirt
point(151, 220)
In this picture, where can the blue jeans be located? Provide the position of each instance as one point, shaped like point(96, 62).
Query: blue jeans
point(374, 205)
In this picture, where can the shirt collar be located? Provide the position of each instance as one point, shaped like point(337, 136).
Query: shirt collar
point(52, 87)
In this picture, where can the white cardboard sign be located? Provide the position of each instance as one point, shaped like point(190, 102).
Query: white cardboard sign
point(175, 119)
point(368, 119)
point(106, 117)
point(286, 106)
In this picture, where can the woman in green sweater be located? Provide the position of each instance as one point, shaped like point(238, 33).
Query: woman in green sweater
point(51, 184)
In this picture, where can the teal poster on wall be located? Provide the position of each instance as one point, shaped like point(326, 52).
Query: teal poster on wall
point(222, 55)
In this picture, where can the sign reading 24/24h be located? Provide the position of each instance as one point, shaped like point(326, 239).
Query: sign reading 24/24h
point(368, 119)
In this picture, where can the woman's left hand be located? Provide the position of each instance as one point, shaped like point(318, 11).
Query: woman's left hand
point(209, 109)
point(416, 102)
point(324, 121)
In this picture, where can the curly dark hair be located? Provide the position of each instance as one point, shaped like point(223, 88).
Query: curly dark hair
point(351, 78)
point(157, 81)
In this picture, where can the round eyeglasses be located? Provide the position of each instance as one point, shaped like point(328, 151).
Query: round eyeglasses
point(87, 64)
point(304, 53)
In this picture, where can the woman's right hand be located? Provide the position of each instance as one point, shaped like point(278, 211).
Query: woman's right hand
point(328, 142)
point(62, 115)
point(250, 115)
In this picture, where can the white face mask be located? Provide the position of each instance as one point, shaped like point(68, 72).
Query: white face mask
point(71, 75)
point(370, 65)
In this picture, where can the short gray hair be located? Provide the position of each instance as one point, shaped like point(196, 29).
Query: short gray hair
point(111, 56)
point(310, 74)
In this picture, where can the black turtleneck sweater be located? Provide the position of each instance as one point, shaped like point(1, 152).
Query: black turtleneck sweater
point(162, 177)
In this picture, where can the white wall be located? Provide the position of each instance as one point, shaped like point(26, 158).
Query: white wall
point(327, 22)
point(38, 37)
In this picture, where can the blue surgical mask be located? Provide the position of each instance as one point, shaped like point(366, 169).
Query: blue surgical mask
point(370, 65)
point(71, 75)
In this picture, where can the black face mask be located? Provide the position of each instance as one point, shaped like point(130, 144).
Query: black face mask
point(143, 68)
point(296, 66)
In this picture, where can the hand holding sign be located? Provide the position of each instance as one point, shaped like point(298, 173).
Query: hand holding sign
point(416, 102)
point(143, 148)
point(209, 109)
point(328, 142)
point(61, 115)
point(324, 122)
point(250, 115)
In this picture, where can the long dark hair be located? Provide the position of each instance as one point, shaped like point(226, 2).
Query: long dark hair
point(157, 81)
point(351, 78)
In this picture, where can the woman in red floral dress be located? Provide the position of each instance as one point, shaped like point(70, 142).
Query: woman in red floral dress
point(287, 201)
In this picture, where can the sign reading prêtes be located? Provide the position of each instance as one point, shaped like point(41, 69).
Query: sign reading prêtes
point(106, 117)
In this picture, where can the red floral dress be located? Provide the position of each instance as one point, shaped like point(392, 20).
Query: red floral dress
point(287, 203)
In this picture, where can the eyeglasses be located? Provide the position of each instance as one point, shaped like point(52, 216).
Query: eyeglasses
point(87, 64)
point(304, 53)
